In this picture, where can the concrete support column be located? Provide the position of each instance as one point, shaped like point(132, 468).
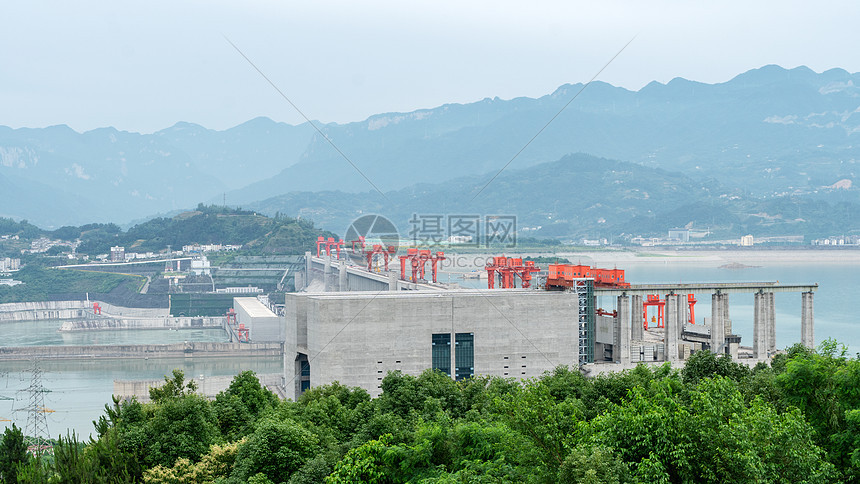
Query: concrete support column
point(308, 267)
point(637, 331)
point(719, 303)
point(299, 281)
point(760, 326)
point(807, 320)
point(327, 273)
point(342, 280)
point(770, 301)
point(622, 328)
point(392, 281)
point(673, 320)
point(727, 319)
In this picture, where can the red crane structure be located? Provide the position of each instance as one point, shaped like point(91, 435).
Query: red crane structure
point(417, 259)
point(96, 308)
point(561, 276)
point(328, 244)
point(508, 269)
point(654, 300)
point(360, 242)
point(244, 334)
point(370, 254)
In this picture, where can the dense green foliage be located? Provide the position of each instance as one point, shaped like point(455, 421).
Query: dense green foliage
point(13, 452)
point(40, 283)
point(208, 224)
point(797, 420)
point(205, 225)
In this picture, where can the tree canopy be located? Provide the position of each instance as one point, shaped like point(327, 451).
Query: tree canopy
point(796, 420)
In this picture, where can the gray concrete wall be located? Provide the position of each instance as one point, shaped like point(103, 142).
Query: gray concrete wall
point(209, 386)
point(605, 326)
point(637, 330)
point(265, 326)
point(807, 320)
point(35, 311)
point(673, 325)
point(771, 322)
point(621, 351)
point(178, 350)
point(296, 316)
point(357, 338)
point(760, 326)
point(107, 324)
point(719, 303)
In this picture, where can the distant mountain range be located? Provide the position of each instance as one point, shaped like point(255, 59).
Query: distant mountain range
point(761, 151)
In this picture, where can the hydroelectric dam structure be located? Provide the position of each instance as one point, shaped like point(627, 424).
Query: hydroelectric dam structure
point(354, 322)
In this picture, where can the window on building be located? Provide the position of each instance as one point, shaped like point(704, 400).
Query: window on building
point(464, 355)
point(442, 352)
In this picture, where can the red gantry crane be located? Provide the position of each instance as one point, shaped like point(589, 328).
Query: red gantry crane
point(508, 269)
point(417, 260)
point(655, 300)
point(328, 244)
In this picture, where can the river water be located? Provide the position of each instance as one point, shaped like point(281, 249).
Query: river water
point(80, 389)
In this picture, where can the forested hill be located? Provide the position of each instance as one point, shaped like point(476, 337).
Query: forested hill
point(205, 225)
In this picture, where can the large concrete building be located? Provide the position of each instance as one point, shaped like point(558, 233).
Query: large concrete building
point(385, 325)
point(356, 338)
point(264, 325)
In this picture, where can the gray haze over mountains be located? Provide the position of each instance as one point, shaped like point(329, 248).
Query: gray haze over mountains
point(765, 149)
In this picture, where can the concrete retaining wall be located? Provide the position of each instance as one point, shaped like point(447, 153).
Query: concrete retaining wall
point(108, 324)
point(208, 386)
point(34, 311)
point(133, 312)
point(177, 350)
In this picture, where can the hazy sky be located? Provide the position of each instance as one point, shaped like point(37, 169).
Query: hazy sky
point(143, 66)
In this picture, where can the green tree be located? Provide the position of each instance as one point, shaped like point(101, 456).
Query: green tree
point(173, 387)
point(277, 448)
point(368, 464)
point(825, 386)
point(704, 364)
point(183, 426)
point(239, 406)
point(593, 465)
point(13, 452)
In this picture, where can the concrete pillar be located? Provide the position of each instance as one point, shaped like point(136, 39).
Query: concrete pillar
point(807, 320)
point(342, 280)
point(770, 301)
point(727, 319)
point(326, 273)
point(718, 322)
point(686, 308)
point(622, 328)
point(308, 268)
point(672, 322)
point(637, 331)
point(299, 280)
point(392, 281)
point(760, 326)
